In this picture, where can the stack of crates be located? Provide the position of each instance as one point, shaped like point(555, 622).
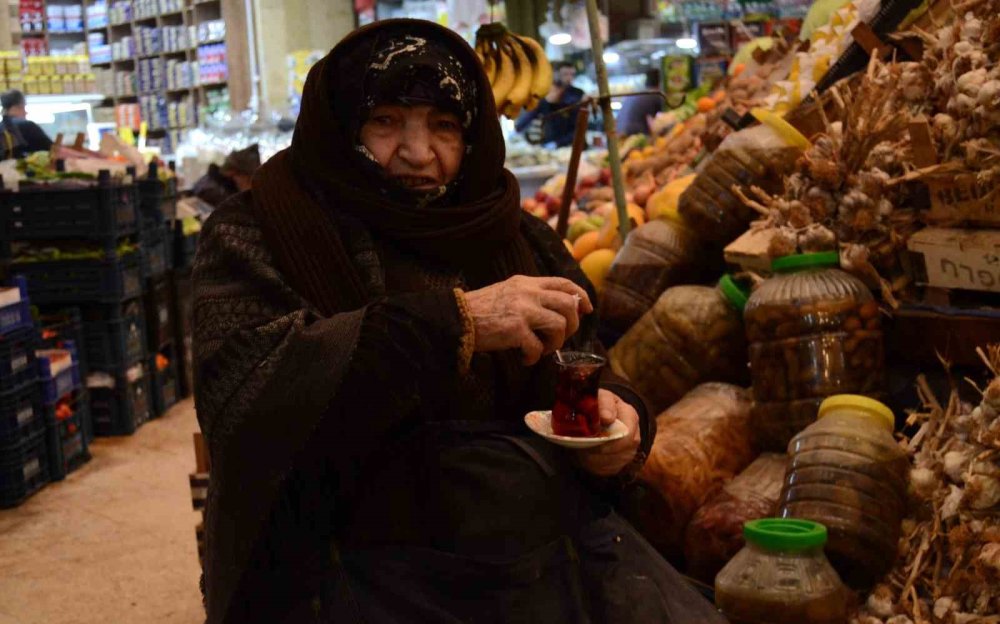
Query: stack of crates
point(24, 457)
point(66, 409)
point(58, 329)
point(105, 283)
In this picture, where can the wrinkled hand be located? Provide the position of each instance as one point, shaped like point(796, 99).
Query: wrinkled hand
point(607, 460)
point(534, 314)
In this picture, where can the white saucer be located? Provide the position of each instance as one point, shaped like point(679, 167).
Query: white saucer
point(541, 423)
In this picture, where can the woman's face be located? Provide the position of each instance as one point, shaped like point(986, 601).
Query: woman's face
point(420, 147)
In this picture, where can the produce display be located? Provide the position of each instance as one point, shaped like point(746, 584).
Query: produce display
point(516, 66)
point(691, 335)
point(701, 442)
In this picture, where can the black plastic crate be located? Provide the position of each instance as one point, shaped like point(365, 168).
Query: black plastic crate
point(69, 210)
point(114, 335)
point(82, 281)
point(17, 358)
point(157, 200)
point(164, 382)
point(185, 247)
point(56, 326)
point(66, 435)
point(21, 414)
point(157, 251)
point(120, 401)
point(159, 313)
point(15, 309)
point(58, 378)
point(24, 469)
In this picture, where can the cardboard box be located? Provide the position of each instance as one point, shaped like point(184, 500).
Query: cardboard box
point(749, 252)
point(956, 258)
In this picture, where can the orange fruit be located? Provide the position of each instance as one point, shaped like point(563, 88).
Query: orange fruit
point(596, 266)
point(610, 229)
point(705, 104)
point(585, 244)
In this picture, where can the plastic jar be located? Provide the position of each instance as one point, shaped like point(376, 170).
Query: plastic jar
point(848, 472)
point(814, 331)
point(781, 577)
point(655, 256)
point(691, 335)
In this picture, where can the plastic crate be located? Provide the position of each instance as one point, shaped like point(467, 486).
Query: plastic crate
point(66, 438)
point(157, 200)
point(158, 301)
point(24, 469)
point(157, 254)
point(119, 402)
point(17, 358)
point(46, 212)
point(21, 414)
point(165, 390)
point(182, 301)
point(56, 326)
point(82, 281)
point(114, 335)
point(58, 378)
point(185, 248)
point(15, 309)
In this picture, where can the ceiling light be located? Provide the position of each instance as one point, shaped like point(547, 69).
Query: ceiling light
point(687, 43)
point(560, 39)
point(611, 57)
point(616, 106)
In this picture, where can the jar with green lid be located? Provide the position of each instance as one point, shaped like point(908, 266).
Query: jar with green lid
point(848, 472)
point(692, 334)
point(814, 331)
point(781, 577)
point(656, 256)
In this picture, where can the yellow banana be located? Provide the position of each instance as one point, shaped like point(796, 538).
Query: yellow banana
point(486, 58)
point(521, 89)
point(506, 75)
point(541, 81)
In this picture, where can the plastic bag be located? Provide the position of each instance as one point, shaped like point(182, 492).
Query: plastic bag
point(715, 534)
point(693, 334)
point(701, 442)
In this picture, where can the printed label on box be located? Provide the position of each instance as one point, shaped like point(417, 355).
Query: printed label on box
point(963, 259)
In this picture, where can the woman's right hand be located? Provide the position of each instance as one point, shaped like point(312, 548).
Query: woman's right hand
point(534, 314)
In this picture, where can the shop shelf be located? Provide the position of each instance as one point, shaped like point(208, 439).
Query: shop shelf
point(21, 414)
point(47, 212)
point(159, 313)
point(15, 309)
point(17, 358)
point(60, 375)
point(114, 335)
point(164, 382)
point(24, 469)
point(119, 401)
point(157, 254)
point(66, 437)
point(82, 281)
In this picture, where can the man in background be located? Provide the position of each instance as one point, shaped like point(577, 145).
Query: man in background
point(557, 129)
point(637, 110)
point(20, 136)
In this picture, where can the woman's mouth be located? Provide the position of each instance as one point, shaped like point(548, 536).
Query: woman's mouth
point(416, 182)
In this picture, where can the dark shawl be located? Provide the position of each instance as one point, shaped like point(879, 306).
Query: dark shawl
point(299, 360)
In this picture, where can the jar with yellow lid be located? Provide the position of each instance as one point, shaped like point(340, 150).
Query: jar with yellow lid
point(848, 472)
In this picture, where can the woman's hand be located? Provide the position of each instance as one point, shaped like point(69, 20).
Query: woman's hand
point(609, 459)
point(534, 314)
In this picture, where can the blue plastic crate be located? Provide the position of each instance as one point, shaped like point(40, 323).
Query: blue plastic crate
point(24, 469)
point(21, 414)
point(100, 211)
point(68, 446)
point(71, 282)
point(58, 383)
point(16, 314)
point(120, 402)
point(58, 325)
point(114, 335)
point(17, 358)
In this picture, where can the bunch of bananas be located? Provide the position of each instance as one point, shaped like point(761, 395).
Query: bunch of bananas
point(516, 66)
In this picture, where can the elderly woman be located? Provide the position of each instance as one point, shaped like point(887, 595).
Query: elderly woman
point(373, 319)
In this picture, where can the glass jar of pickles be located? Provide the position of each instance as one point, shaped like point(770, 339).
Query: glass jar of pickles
point(814, 331)
point(781, 577)
point(848, 472)
point(691, 335)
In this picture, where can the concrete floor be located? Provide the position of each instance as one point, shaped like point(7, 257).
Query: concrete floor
point(113, 543)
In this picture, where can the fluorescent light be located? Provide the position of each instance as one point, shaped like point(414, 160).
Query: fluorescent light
point(560, 39)
point(611, 58)
point(687, 43)
point(616, 106)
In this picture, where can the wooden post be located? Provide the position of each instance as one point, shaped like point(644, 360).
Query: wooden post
point(569, 189)
point(614, 158)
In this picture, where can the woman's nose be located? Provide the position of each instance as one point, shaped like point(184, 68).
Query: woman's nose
point(415, 146)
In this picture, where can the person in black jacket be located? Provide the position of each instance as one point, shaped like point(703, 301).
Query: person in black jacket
point(20, 136)
point(557, 129)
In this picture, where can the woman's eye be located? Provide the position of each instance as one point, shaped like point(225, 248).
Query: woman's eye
point(383, 120)
point(447, 124)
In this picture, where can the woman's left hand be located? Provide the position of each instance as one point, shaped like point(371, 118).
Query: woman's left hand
point(609, 459)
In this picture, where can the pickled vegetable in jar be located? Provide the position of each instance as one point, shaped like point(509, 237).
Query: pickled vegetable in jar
point(655, 256)
point(848, 472)
point(691, 335)
point(781, 577)
point(814, 331)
